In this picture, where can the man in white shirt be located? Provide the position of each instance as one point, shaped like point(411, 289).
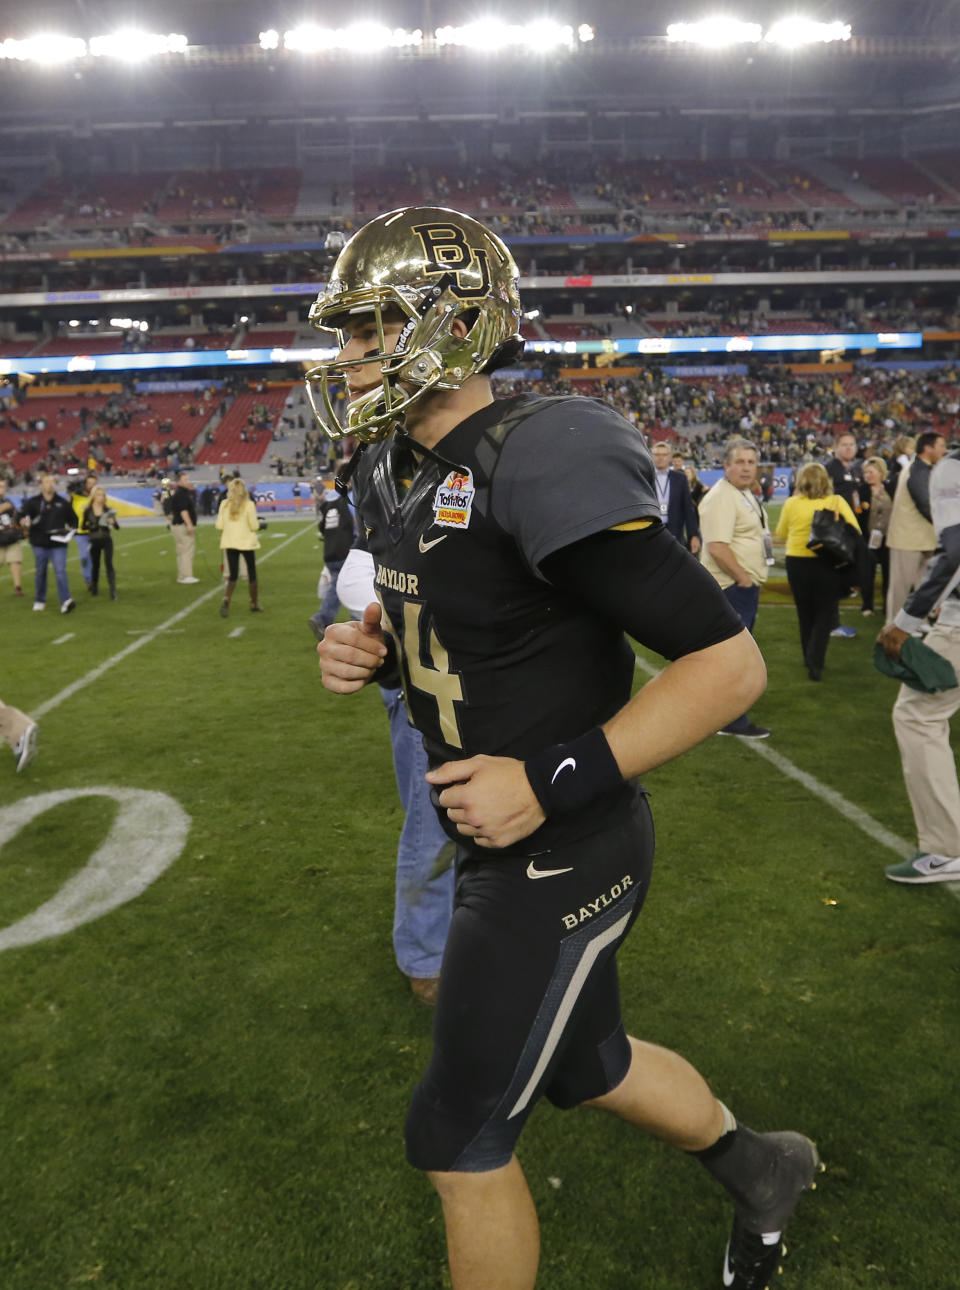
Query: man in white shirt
point(736, 539)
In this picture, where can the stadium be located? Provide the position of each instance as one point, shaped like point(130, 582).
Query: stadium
point(743, 222)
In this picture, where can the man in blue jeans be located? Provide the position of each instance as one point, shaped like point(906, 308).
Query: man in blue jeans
point(736, 542)
point(423, 896)
point(51, 522)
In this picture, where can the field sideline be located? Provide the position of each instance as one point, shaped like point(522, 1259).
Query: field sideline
point(204, 1088)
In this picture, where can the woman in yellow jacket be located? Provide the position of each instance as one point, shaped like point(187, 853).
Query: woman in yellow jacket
point(238, 524)
point(816, 587)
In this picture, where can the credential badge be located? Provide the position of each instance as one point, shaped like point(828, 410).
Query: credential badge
point(454, 500)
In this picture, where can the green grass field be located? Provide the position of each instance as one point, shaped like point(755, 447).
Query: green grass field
point(204, 1089)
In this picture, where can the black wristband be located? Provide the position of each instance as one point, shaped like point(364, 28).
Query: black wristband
point(567, 776)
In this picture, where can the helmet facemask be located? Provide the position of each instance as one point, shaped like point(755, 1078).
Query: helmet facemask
point(438, 277)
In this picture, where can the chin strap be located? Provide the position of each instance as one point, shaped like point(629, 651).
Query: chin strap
point(342, 481)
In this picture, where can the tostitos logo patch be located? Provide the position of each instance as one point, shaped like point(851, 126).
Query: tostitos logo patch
point(454, 500)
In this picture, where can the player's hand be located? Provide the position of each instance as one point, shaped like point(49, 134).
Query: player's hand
point(694, 546)
point(350, 653)
point(489, 799)
point(892, 638)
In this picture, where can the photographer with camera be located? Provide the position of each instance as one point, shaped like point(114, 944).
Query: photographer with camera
point(98, 520)
point(239, 525)
point(11, 547)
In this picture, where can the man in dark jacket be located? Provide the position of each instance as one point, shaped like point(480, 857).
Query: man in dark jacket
point(335, 526)
point(676, 504)
point(51, 521)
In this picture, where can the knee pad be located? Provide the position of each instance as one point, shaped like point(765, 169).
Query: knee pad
point(440, 1139)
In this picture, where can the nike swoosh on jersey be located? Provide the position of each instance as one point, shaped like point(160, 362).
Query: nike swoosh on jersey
point(534, 872)
point(425, 546)
point(567, 761)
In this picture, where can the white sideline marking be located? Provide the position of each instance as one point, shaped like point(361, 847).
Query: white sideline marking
point(848, 810)
point(237, 631)
point(62, 640)
point(148, 834)
point(95, 673)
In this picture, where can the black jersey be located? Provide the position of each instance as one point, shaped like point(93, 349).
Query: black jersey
point(494, 659)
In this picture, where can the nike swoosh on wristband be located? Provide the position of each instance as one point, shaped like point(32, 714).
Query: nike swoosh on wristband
point(728, 1275)
point(425, 546)
point(534, 872)
point(567, 761)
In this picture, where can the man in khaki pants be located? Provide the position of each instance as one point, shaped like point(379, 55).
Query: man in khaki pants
point(910, 535)
point(183, 526)
point(921, 721)
point(20, 733)
point(10, 552)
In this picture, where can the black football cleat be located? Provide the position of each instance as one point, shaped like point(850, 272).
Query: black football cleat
point(755, 1249)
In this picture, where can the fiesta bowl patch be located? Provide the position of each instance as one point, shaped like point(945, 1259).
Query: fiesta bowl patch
point(454, 500)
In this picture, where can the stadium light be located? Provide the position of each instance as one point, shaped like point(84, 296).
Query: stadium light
point(490, 35)
point(360, 38)
point(74, 322)
point(44, 49)
point(715, 33)
point(132, 46)
point(795, 32)
point(270, 39)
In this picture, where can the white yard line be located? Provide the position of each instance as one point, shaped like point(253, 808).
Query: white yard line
point(95, 673)
point(237, 631)
point(61, 640)
point(122, 544)
point(866, 823)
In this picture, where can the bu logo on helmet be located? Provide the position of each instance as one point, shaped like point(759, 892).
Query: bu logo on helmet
point(446, 251)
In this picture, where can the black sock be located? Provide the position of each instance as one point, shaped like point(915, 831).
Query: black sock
point(744, 1163)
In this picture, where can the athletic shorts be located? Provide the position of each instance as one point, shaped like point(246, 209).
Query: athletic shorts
point(529, 1002)
point(12, 554)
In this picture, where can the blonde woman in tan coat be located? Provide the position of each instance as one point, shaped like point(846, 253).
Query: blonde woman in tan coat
point(238, 524)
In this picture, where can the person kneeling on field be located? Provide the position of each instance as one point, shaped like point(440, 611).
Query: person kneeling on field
point(20, 733)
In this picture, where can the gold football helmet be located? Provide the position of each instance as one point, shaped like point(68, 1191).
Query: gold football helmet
point(432, 266)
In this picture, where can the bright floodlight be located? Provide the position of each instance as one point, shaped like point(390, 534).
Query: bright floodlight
point(715, 33)
point(44, 49)
point(491, 34)
point(360, 38)
point(792, 33)
point(585, 32)
point(270, 39)
point(133, 46)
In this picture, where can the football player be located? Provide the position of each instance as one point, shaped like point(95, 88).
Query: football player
point(517, 543)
